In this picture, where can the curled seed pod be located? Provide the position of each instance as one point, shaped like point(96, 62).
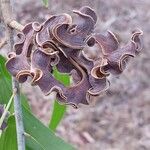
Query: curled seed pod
point(74, 48)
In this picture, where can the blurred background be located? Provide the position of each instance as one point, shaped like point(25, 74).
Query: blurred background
point(120, 119)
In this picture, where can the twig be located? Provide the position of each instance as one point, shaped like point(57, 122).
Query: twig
point(8, 16)
point(3, 42)
point(6, 110)
point(18, 117)
point(8, 19)
point(15, 25)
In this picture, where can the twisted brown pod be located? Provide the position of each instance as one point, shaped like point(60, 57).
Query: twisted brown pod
point(69, 44)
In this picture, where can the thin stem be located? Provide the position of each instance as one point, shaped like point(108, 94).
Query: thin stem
point(3, 43)
point(7, 16)
point(6, 109)
point(18, 117)
point(15, 25)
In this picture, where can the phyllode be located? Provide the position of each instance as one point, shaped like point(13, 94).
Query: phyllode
point(67, 44)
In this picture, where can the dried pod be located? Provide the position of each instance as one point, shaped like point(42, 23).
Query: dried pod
point(74, 48)
point(118, 56)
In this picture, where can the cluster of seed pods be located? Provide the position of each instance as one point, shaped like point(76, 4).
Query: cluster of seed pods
point(68, 44)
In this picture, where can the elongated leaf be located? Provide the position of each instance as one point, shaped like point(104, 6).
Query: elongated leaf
point(58, 109)
point(45, 2)
point(32, 144)
point(41, 134)
point(57, 115)
point(63, 78)
point(5, 82)
point(8, 140)
point(24, 101)
point(40, 137)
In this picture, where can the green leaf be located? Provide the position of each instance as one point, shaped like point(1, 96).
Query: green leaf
point(42, 134)
point(39, 137)
point(57, 115)
point(45, 2)
point(62, 77)
point(58, 109)
point(32, 144)
point(24, 101)
point(5, 82)
point(8, 140)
